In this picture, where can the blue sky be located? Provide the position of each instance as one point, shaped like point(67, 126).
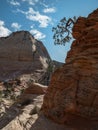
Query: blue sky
point(39, 16)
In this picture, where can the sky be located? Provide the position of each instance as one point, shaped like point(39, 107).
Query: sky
point(39, 16)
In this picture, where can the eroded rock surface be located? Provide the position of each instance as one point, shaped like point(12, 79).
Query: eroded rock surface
point(73, 91)
point(25, 115)
point(20, 54)
point(22, 114)
point(35, 88)
point(72, 97)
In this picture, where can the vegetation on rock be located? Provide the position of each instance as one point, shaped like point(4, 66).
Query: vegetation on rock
point(63, 31)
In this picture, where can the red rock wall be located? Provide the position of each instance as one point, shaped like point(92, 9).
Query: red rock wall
point(73, 90)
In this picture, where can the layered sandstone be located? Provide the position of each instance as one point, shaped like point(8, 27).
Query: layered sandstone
point(20, 54)
point(73, 91)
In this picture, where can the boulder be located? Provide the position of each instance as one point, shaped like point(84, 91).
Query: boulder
point(35, 88)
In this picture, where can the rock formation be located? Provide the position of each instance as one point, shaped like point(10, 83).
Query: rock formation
point(73, 91)
point(72, 96)
point(35, 88)
point(23, 116)
point(20, 54)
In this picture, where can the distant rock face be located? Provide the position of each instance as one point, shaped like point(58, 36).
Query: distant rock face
point(20, 53)
point(73, 91)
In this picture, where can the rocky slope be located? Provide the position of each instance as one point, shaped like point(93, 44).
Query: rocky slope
point(20, 54)
point(72, 97)
point(23, 61)
point(25, 113)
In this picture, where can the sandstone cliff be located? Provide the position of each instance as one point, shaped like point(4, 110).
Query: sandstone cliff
point(71, 98)
point(73, 92)
point(20, 54)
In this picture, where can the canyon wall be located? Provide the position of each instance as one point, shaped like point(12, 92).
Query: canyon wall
point(21, 53)
point(73, 90)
